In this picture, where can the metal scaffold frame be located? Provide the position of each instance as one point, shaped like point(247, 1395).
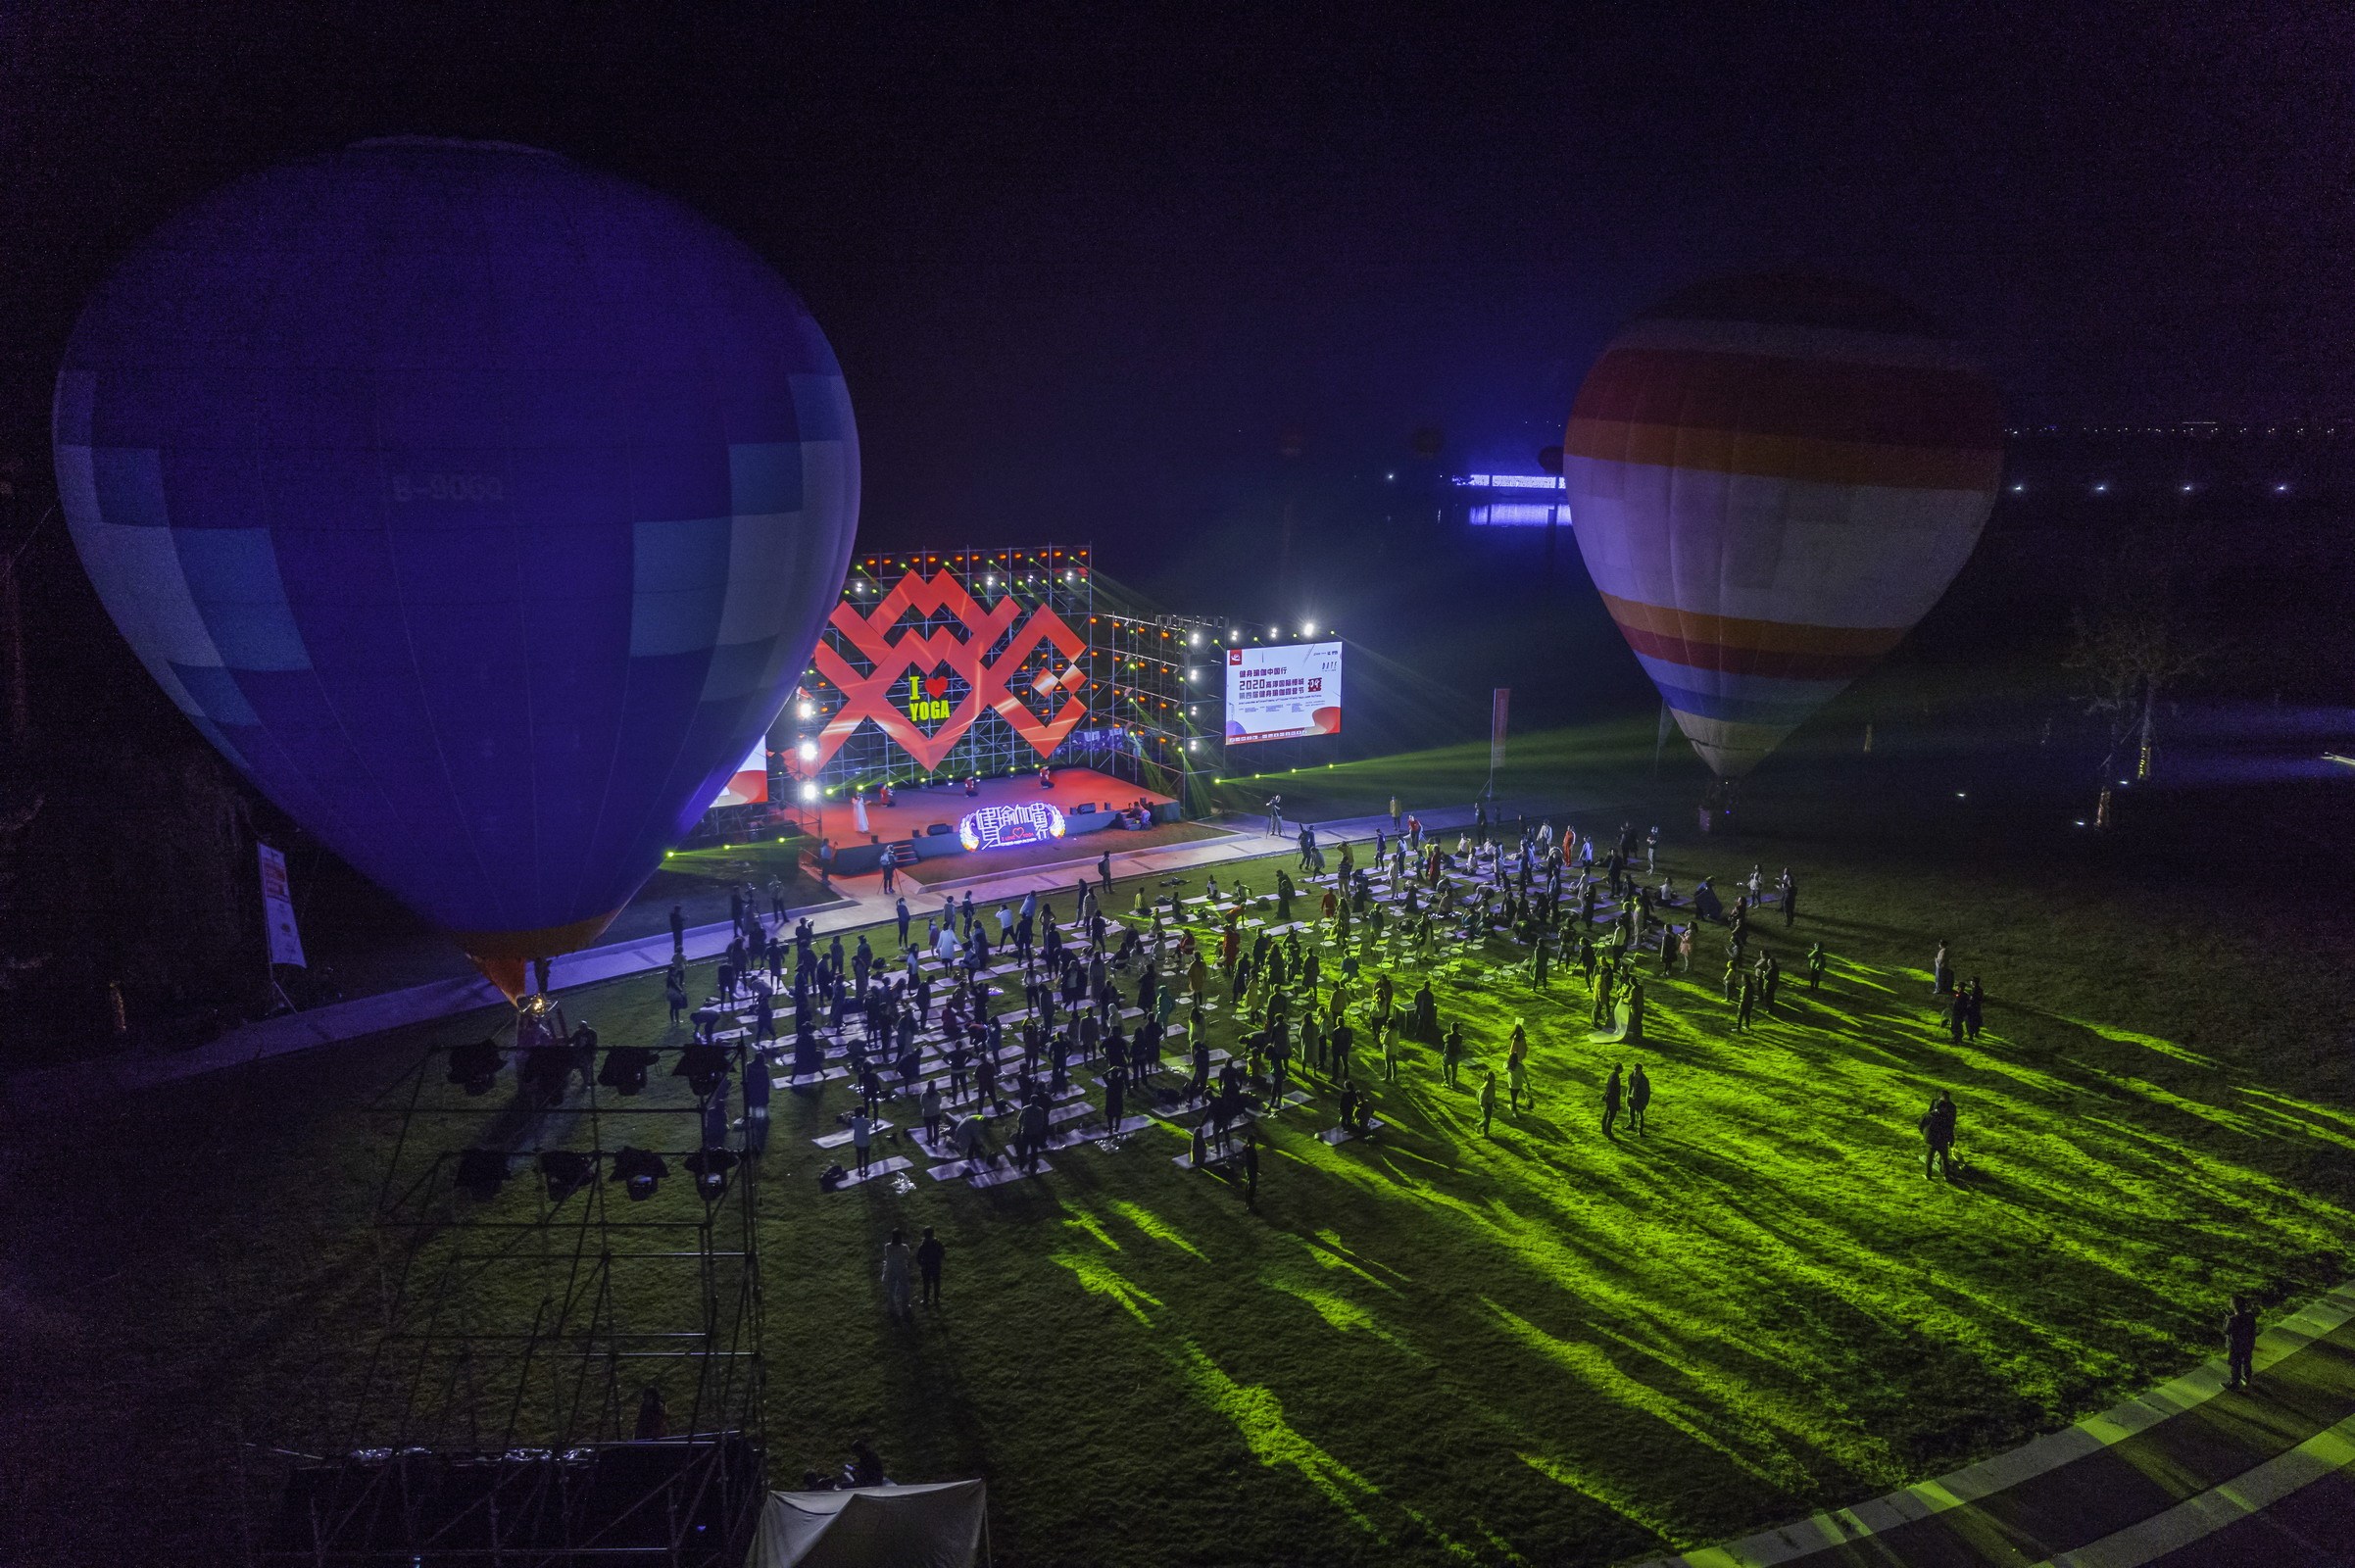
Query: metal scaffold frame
point(530, 1292)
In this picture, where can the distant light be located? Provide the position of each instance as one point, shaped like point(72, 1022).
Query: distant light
point(806, 711)
point(2102, 488)
point(2186, 489)
point(2122, 783)
point(2281, 489)
point(1194, 746)
point(2017, 489)
point(2081, 821)
point(2335, 756)
point(808, 792)
point(807, 752)
point(1960, 795)
point(1196, 639)
point(1309, 630)
point(1389, 479)
point(1194, 675)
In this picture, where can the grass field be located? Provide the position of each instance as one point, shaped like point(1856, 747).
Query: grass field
point(1540, 1346)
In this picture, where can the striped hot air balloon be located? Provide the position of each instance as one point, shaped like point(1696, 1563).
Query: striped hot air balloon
point(1772, 479)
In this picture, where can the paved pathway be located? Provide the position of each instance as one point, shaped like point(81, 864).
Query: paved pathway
point(2191, 1475)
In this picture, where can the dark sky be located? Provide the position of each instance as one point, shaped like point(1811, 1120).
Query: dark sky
point(1082, 263)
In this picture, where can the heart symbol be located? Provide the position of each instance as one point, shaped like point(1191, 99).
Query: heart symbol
point(936, 687)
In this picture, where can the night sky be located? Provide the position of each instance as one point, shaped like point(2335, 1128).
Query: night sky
point(1083, 265)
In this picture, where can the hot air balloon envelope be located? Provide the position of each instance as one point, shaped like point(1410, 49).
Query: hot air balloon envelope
point(480, 506)
point(1772, 479)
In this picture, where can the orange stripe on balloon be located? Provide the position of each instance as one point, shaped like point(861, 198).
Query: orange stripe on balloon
point(1732, 632)
point(1805, 460)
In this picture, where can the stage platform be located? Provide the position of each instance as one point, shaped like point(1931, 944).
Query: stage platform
point(917, 809)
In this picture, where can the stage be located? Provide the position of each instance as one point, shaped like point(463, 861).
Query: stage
point(929, 818)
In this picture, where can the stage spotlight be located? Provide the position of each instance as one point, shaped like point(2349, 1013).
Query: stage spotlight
point(805, 711)
point(481, 1172)
point(807, 751)
point(710, 1167)
point(704, 1065)
point(474, 1065)
point(1309, 630)
point(808, 792)
point(641, 1169)
point(626, 1068)
point(1195, 640)
point(566, 1172)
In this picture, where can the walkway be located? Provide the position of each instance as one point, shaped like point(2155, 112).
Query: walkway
point(862, 902)
point(2191, 1475)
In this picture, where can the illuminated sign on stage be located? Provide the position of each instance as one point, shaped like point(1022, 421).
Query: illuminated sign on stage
point(904, 693)
point(1275, 694)
point(999, 827)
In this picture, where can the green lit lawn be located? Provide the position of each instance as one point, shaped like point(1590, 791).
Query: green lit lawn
point(1542, 1348)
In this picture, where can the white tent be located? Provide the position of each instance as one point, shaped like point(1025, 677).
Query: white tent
point(937, 1526)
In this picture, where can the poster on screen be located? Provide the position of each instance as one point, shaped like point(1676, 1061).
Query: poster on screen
point(1274, 693)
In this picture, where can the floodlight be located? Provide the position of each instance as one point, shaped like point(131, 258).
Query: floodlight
point(710, 1167)
point(566, 1172)
point(641, 1169)
point(474, 1065)
point(806, 711)
point(807, 751)
point(810, 792)
point(626, 1068)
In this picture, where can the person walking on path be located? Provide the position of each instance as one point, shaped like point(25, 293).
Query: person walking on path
point(1611, 1093)
point(896, 1271)
point(2240, 1344)
point(1937, 1136)
point(1488, 1098)
point(928, 1264)
point(1639, 1096)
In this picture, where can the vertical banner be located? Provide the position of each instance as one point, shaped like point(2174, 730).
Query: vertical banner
point(277, 911)
point(1500, 702)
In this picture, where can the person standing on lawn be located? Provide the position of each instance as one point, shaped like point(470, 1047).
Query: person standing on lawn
point(1937, 1136)
point(860, 1136)
point(1516, 1070)
point(1638, 1096)
point(1488, 1098)
point(928, 1256)
point(895, 1270)
point(1817, 960)
point(1610, 1102)
point(1452, 1054)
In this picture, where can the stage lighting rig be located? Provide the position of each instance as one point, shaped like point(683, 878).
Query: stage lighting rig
point(474, 1065)
point(566, 1172)
point(641, 1168)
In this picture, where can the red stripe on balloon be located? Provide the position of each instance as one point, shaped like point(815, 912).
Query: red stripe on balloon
point(1760, 395)
point(1780, 663)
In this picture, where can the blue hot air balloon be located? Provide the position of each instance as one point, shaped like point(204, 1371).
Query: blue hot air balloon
point(481, 508)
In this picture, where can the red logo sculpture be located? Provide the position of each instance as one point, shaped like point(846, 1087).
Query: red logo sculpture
point(896, 659)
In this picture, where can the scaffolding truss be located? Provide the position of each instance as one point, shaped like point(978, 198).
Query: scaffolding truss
point(537, 1277)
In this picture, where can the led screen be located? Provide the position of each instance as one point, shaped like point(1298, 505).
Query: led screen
point(1275, 694)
